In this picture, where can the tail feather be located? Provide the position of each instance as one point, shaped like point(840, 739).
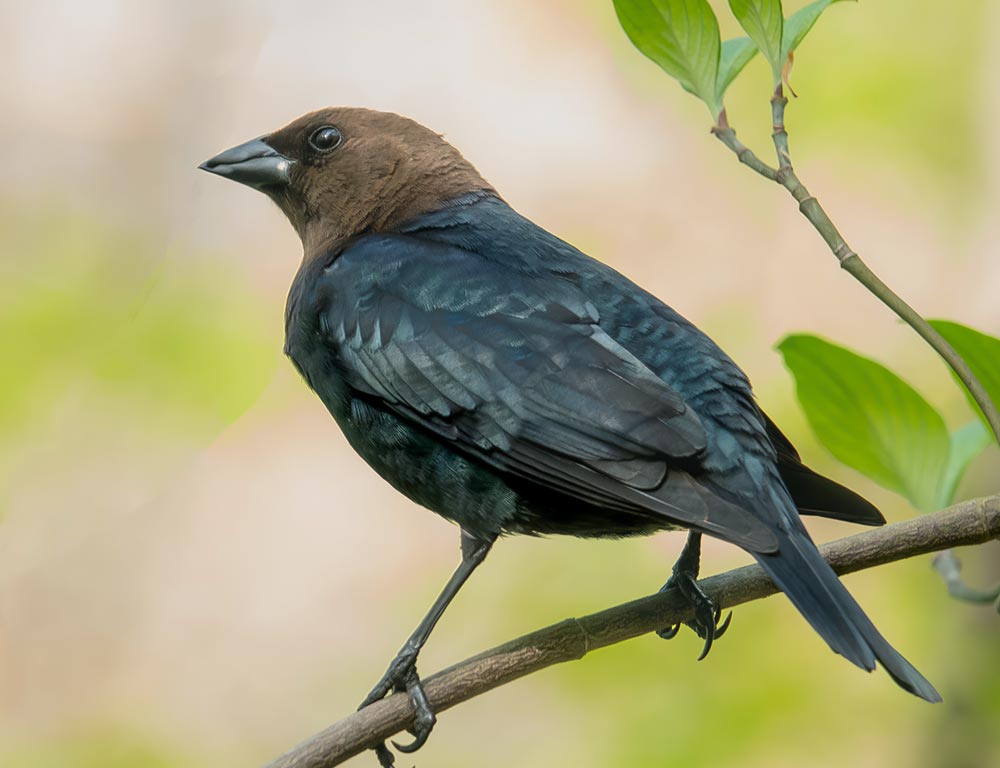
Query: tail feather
point(799, 570)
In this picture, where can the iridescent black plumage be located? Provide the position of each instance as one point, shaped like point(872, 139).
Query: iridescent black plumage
point(500, 377)
point(496, 375)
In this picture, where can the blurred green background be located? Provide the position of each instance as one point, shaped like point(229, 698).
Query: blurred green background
point(195, 569)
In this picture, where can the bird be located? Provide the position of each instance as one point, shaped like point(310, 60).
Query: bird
point(500, 377)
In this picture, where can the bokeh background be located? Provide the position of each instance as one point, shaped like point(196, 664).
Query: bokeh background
point(195, 570)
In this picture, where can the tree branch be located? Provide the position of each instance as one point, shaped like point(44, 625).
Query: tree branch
point(970, 522)
point(809, 206)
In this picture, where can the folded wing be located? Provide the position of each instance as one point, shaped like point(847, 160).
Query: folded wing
point(520, 376)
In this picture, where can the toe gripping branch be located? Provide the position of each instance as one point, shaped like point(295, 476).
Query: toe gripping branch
point(402, 672)
point(706, 614)
point(402, 676)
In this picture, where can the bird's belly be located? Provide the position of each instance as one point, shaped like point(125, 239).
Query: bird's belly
point(468, 492)
point(428, 472)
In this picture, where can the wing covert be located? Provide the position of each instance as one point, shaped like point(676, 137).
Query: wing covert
point(514, 370)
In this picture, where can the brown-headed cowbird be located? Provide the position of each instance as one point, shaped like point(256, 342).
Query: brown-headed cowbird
point(498, 376)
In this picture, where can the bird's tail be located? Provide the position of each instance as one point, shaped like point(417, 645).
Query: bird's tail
point(812, 586)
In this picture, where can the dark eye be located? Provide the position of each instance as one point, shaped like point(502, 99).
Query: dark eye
point(325, 138)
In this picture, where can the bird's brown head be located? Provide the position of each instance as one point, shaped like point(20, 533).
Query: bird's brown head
point(342, 171)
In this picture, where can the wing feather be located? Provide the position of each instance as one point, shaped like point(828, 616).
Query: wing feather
point(522, 377)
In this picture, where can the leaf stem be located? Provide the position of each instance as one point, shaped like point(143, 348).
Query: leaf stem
point(849, 260)
point(727, 136)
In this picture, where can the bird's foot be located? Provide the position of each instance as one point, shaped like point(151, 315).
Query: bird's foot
point(706, 615)
point(402, 676)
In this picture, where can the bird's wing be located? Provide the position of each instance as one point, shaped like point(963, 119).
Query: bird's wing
point(516, 371)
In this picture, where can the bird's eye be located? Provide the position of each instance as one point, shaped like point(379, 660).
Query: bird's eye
point(326, 138)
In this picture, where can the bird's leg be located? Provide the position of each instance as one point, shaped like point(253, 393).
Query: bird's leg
point(402, 672)
point(685, 579)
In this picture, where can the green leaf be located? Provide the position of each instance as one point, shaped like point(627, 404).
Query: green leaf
point(869, 418)
point(981, 353)
point(736, 54)
point(966, 443)
point(682, 37)
point(763, 20)
point(797, 25)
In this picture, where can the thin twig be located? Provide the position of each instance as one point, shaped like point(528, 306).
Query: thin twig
point(849, 260)
point(970, 522)
point(950, 568)
point(727, 136)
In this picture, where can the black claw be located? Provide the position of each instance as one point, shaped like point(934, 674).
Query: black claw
point(384, 755)
point(424, 719)
point(706, 615)
point(706, 648)
point(720, 629)
point(669, 633)
point(402, 676)
point(376, 694)
point(394, 679)
point(417, 743)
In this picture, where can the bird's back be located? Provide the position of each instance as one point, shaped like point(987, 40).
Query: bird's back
point(693, 365)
